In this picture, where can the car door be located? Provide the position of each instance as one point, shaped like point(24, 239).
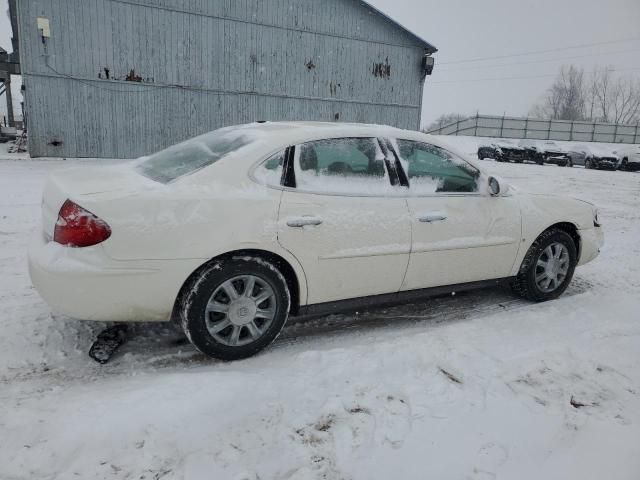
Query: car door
point(339, 217)
point(460, 234)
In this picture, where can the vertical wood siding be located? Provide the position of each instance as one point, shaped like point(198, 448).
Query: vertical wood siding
point(207, 64)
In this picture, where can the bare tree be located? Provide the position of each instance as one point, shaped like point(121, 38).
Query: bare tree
point(626, 101)
point(599, 96)
point(565, 99)
point(601, 86)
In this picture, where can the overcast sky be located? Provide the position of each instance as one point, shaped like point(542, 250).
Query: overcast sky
point(468, 29)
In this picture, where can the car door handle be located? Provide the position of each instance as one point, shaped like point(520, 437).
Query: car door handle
point(299, 222)
point(432, 217)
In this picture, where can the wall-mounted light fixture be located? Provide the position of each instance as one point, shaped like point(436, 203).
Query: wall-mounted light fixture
point(43, 28)
point(428, 63)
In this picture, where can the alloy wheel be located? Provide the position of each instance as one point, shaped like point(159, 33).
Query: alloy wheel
point(240, 310)
point(552, 267)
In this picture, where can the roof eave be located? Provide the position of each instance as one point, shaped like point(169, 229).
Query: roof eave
point(427, 46)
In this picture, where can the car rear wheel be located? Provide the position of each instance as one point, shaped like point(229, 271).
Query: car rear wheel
point(234, 308)
point(625, 164)
point(547, 268)
point(588, 164)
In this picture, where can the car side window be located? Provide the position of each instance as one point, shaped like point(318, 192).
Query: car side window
point(431, 169)
point(269, 172)
point(341, 166)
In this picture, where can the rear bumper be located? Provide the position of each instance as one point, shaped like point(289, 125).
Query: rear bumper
point(591, 241)
point(86, 284)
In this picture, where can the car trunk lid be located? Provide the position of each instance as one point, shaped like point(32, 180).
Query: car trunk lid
point(86, 185)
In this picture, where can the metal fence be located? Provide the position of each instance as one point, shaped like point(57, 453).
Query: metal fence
point(514, 127)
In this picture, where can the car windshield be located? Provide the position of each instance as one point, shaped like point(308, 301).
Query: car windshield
point(192, 155)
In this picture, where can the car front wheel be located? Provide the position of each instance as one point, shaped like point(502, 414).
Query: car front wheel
point(234, 308)
point(547, 268)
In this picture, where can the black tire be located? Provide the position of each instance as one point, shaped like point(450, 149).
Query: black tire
point(588, 165)
point(624, 166)
point(198, 291)
point(525, 284)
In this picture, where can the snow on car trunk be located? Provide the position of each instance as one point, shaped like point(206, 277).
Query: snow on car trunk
point(87, 183)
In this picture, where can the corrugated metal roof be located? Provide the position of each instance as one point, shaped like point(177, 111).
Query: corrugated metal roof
point(429, 47)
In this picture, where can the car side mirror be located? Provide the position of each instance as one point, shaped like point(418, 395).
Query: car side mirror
point(494, 186)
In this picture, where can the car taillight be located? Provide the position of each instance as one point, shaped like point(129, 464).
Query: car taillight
point(77, 227)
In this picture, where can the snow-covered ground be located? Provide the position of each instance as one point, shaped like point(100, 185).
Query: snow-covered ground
point(480, 385)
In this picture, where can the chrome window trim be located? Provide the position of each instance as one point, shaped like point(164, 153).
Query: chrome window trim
point(394, 143)
point(387, 174)
point(399, 190)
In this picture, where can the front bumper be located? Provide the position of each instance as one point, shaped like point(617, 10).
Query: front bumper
point(559, 160)
point(591, 241)
point(86, 284)
point(606, 164)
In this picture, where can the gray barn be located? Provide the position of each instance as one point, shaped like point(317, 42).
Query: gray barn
point(123, 78)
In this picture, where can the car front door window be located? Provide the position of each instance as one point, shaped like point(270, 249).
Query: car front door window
point(431, 169)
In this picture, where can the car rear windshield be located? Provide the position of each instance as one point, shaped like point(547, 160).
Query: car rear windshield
point(192, 155)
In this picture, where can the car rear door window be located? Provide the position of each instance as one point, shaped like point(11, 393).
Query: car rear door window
point(431, 169)
point(342, 166)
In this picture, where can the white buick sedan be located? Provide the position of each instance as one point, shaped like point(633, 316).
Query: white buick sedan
point(233, 231)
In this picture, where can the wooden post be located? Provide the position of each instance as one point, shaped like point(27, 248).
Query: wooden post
point(615, 134)
point(635, 137)
point(549, 130)
point(502, 126)
point(526, 127)
point(475, 131)
point(593, 132)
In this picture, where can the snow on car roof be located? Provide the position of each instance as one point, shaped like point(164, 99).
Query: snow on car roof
point(290, 132)
point(259, 138)
point(313, 126)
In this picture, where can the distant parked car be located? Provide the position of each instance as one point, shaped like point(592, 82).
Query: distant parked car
point(7, 134)
point(594, 156)
point(578, 154)
point(531, 151)
point(553, 153)
point(601, 158)
point(489, 150)
point(630, 158)
point(502, 151)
